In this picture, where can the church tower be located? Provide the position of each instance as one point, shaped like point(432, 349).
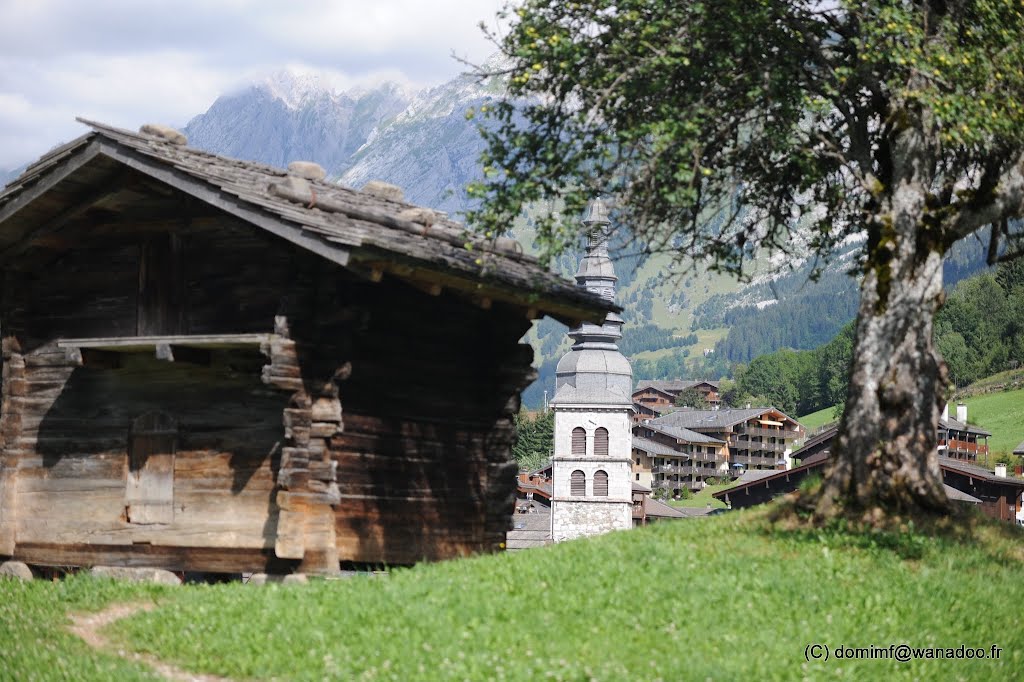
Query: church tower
point(592, 490)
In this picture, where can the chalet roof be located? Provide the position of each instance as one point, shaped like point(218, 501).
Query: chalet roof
point(672, 386)
point(770, 476)
point(637, 488)
point(751, 475)
point(951, 464)
point(653, 447)
point(659, 509)
point(950, 424)
point(363, 232)
point(959, 495)
point(683, 434)
point(1020, 449)
point(712, 419)
point(657, 409)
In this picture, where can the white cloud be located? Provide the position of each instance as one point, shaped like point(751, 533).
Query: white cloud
point(127, 62)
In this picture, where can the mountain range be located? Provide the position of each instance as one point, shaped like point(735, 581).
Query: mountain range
point(418, 140)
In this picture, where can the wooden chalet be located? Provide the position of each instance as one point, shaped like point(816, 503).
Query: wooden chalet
point(996, 494)
point(958, 439)
point(216, 365)
point(742, 439)
point(660, 393)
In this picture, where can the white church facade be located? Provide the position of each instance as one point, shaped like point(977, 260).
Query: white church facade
point(591, 465)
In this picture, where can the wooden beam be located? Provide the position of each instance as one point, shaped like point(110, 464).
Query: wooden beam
point(217, 198)
point(565, 313)
point(50, 180)
point(128, 344)
point(82, 203)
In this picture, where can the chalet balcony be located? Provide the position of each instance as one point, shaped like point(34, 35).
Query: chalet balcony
point(687, 471)
point(769, 433)
point(692, 484)
point(755, 460)
point(705, 457)
point(956, 447)
point(757, 446)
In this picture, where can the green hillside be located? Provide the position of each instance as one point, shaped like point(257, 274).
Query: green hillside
point(722, 598)
point(819, 418)
point(1002, 414)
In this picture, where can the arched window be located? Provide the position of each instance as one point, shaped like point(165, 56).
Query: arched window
point(601, 484)
point(579, 442)
point(601, 442)
point(578, 484)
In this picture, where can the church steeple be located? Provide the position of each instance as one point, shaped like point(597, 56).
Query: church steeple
point(591, 465)
point(594, 370)
point(597, 274)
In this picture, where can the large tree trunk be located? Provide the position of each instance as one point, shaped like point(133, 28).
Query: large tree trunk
point(884, 458)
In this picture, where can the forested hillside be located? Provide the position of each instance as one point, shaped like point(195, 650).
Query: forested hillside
point(979, 331)
point(793, 312)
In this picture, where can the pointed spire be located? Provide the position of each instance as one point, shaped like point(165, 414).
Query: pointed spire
point(597, 212)
point(597, 274)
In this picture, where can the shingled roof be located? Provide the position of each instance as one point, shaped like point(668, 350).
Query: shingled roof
point(950, 424)
point(711, 419)
point(671, 386)
point(363, 232)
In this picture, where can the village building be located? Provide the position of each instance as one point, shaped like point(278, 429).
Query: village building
point(687, 449)
point(591, 464)
point(654, 398)
point(955, 438)
point(666, 392)
point(215, 365)
point(997, 494)
point(674, 459)
point(959, 440)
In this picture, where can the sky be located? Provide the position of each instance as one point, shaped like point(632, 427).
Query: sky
point(129, 62)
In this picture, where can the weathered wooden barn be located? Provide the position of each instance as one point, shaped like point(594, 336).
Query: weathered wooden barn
point(216, 365)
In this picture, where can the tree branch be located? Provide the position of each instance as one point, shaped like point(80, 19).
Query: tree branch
point(1007, 203)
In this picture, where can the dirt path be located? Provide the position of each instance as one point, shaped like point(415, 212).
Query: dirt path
point(88, 626)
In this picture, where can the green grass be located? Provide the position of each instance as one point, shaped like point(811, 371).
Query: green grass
point(1000, 413)
point(35, 643)
point(703, 498)
point(815, 419)
point(609, 608)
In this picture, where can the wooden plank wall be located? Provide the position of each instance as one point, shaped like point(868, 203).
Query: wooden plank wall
point(66, 426)
point(424, 462)
point(381, 430)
